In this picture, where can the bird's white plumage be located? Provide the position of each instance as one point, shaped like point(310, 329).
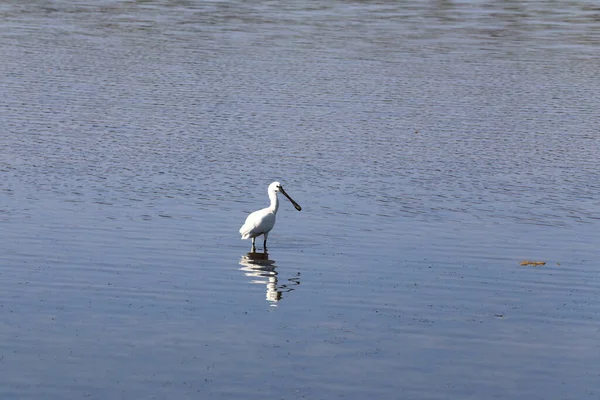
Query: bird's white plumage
point(262, 221)
point(257, 223)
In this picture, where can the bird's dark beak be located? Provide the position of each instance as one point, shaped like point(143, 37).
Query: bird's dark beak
point(296, 205)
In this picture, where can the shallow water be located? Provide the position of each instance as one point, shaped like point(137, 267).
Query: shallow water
point(432, 145)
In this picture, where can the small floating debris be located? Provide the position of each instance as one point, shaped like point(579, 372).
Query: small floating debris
point(533, 263)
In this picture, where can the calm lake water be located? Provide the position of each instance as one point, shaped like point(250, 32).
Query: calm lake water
point(433, 145)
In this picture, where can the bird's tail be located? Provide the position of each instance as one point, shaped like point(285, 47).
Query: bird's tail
point(245, 232)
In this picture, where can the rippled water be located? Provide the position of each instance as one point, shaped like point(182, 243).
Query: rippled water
point(432, 145)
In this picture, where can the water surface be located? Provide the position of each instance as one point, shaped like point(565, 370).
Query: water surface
point(432, 145)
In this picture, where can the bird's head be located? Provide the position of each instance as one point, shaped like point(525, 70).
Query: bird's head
point(275, 187)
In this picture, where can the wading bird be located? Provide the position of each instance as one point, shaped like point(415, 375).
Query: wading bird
point(262, 221)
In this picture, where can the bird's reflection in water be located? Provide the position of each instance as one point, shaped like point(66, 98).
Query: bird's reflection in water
point(262, 270)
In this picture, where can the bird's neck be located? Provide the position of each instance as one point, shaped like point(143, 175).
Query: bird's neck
point(274, 202)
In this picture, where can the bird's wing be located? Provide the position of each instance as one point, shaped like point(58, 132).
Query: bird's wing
point(252, 224)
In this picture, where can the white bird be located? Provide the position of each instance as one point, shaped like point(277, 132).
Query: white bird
point(262, 221)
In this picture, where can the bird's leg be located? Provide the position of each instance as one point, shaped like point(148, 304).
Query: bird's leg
point(253, 246)
point(265, 235)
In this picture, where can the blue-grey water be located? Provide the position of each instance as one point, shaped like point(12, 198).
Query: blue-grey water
point(433, 145)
